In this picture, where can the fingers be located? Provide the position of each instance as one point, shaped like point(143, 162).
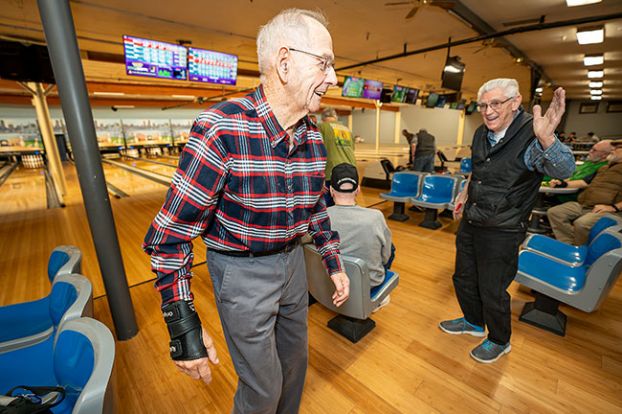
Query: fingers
point(342, 288)
point(196, 369)
point(211, 348)
point(537, 111)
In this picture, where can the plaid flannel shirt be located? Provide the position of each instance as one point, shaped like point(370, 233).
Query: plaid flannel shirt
point(241, 188)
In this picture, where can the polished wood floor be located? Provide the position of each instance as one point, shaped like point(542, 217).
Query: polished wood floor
point(405, 365)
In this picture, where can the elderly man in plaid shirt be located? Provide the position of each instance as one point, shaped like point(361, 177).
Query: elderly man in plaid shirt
point(249, 183)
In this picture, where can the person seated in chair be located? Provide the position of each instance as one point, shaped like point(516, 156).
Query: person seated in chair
point(363, 231)
point(572, 221)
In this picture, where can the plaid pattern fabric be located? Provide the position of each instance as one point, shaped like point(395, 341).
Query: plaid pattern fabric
point(241, 188)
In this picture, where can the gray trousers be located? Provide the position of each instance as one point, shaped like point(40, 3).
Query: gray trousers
point(262, 303)
point(571, 222)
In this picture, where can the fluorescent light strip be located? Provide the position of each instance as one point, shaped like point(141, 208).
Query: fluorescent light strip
point(595, 74)
point(596, 92)
point(108, 93)
point(573, 3)
point(595, 84)
point(591, 60)
point(539, 89)
point(596, 98)
point(183, 96)
point(591, 35)
point(124, 106)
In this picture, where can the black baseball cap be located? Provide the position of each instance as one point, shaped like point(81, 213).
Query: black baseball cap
point(344, 174)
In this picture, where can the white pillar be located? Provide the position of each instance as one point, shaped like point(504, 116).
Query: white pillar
point(350, 120)
point(47, 133)
point(398, 121)
point(460, 136)
point(378, 106)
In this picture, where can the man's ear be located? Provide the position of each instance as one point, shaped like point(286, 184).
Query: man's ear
point(283, 64)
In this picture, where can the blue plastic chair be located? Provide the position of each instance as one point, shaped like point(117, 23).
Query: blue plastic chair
point(353, 320)
point(567, 253)
point(437, 192)
point(404, 186)
point(64, 260)
point(79, 358)
point(583, 287)
point(465, 166)
point(24, 324)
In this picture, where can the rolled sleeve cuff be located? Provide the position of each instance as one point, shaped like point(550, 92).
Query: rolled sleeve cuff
point(333, 263)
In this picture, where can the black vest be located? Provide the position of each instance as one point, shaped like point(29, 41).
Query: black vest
point(502, 191)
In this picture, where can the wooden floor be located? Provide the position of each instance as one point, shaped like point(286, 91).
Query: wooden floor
point(405, 365)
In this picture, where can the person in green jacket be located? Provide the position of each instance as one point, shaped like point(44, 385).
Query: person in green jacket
point(339, 145)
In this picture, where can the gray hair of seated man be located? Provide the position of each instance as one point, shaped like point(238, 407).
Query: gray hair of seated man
point(508, 86)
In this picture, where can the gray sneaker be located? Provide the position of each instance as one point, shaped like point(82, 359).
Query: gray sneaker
point(461, 326)
point(488, 352)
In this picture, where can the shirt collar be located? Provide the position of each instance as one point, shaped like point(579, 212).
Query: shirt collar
point(275, 131)
point(495, 137)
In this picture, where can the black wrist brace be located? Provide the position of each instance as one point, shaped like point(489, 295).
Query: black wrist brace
point(184, 326)
point(563, 184)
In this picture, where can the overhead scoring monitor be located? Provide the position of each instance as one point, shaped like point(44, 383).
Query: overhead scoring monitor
point(213, 67)
point(154, 59)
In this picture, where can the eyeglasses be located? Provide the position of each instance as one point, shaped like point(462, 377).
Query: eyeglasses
point(494, 105)
point(325, 63)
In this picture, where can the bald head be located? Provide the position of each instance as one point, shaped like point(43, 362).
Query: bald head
point(600, 151)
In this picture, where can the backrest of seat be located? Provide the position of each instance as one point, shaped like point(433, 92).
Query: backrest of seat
point(71, 298)
point(405, 182)
point(83, 359)
point(465, 165)
point(321, 287)
point(64, 260)
point(603, 273)
point(603, 243)
point(387, 166)
point(438, 186)
point(604, 222)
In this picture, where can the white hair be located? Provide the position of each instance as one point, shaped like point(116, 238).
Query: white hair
point(508, 86)
point(288, 28)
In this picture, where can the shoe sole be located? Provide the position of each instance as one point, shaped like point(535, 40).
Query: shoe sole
point(472, 333)
point(490, 361)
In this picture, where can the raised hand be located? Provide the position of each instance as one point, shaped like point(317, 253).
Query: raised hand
point(544, 126)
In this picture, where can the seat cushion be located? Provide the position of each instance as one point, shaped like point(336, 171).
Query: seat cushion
point(376, 290)
point(32, 365)
point(568, 253)
point(564, 277)
point(24, 319)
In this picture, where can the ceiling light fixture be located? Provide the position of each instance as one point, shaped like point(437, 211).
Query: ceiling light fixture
point(573, 3)
point(595, 84)
point(596, 98)
point(591, 35)
point(596, 92)
point(591, 60)
point(595, 74)
point(183, 96)
point(108, 93)
point(539, 89)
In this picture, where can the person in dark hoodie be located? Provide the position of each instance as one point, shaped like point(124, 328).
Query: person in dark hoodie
point(511, 153)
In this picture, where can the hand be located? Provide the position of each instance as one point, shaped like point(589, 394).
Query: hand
point(342, 288)
point(554, 183)
point(199, 368)
point(603, 208)
point(544, 126)
point(459, 204)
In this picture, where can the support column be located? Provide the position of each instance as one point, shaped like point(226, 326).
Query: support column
point(378, 106)
point(460, 136)
point(398, 121)
point(51, 150)
point(60, 34)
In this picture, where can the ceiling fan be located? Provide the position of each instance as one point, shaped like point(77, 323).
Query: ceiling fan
point(417, 4)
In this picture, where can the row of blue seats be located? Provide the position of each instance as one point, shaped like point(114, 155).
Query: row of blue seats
point(54, 341)
point(578, 276)
point(429, 191)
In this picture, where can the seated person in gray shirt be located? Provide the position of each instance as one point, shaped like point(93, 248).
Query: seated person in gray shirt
point(363, 231)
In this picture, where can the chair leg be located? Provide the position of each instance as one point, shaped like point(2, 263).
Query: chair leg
point(398, 212)
point(430, 220)
point(352, 329)
point(545, 314)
